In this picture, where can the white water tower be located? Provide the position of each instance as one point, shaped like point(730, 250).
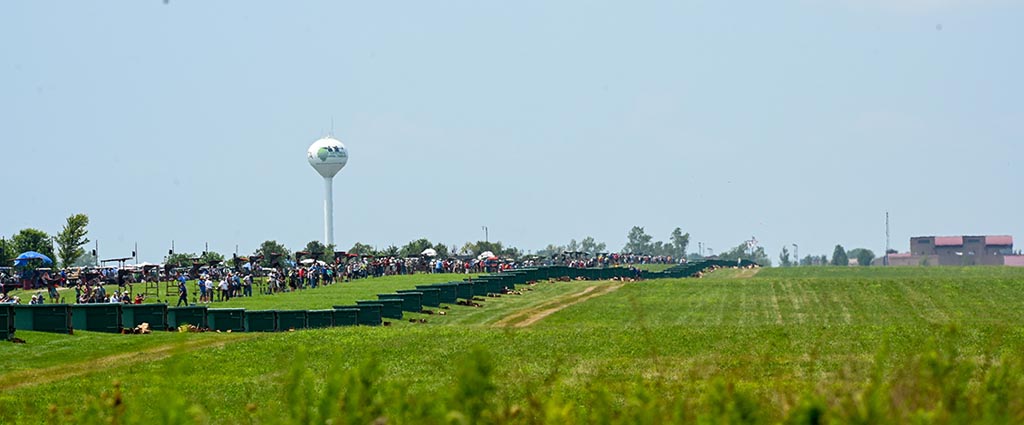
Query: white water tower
point(328, 156)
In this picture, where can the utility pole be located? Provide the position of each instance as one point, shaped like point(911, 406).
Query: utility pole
point(796, 253)
point(485, 234)
point(885, 261)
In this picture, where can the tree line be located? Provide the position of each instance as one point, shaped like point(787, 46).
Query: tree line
point(840, 257)
point(69, 243)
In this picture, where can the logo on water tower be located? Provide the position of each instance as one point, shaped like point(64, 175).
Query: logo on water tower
point(330, 152)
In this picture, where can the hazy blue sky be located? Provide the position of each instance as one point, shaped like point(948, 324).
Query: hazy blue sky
point(795, 122)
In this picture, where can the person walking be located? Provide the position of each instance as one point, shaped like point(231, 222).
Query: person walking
point(182, 291)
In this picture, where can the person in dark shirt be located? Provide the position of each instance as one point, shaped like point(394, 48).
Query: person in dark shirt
point(182, 291)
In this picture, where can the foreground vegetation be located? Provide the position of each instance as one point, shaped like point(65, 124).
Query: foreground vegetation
point(802, 345)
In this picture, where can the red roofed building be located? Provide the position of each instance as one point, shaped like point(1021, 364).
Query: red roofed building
point(963, 250)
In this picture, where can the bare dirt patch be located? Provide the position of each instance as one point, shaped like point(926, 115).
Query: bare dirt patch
point(530, 316)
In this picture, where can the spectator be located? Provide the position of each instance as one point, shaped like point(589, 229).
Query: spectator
point(182, 291)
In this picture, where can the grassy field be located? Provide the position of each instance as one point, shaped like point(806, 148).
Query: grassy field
point(310, 298)
point(933, 345)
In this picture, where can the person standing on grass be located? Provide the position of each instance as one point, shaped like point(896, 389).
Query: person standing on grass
point(182, 291)
point(209, 291)
point(247, 285)
point(202, 290)
point(222, 288)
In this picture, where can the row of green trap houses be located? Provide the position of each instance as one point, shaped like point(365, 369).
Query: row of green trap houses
point(113, 317)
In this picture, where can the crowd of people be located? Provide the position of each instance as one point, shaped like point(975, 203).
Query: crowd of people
point(217, 284)
point(612, 260)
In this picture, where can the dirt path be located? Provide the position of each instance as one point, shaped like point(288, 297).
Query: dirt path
point(30, 377)
point(746, 273)
point(530, 316)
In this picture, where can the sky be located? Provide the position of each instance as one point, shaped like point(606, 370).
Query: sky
point(793, 122)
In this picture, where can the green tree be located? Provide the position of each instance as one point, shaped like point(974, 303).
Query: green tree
point(550, 250)
point(273, 247)
point(314, 248)
point(637, 241)
point(71, 239)
point(659, 248)
point(864, 256)
point(680, 242)
point(742, 252)
point(87, 259)
point(839, 257)
point(479, 247)
point(180, 259)
point(329, 253)
point(7, 253)
point(588, 244)
point(814, 260)
point(361, 249)
point(210, 256)
point(33, 240)
point(784, 260)
point(572, 246)
point(390, 251)
point(442, 250)
point(415, 247)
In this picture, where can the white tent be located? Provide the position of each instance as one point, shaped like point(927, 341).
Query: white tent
point(429, 252)
point(485, 255)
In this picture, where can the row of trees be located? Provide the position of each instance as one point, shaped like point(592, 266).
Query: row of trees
point(638, 241)
point(588, 244)
point(840, 257)
point(745, 252)
point(69, 243)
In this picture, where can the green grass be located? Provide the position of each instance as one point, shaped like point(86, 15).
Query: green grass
point(310, 298)
point(46, 350)
point(765, 346)
point(342, 293)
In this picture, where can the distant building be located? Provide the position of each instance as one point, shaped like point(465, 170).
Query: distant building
point(958, 251)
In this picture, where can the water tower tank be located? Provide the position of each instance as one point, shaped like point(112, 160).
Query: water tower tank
point(327, 156)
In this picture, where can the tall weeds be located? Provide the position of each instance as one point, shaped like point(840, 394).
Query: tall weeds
point(940, 386)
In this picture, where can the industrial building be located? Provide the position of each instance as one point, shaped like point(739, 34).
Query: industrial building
point(958, 251)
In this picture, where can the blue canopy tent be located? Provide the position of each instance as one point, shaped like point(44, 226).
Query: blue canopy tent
point(31, 255)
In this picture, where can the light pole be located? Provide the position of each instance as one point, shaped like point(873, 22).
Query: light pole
point(485, 234)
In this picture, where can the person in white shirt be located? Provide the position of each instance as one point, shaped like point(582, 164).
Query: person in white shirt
point(209, 291)
point(223, 289)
